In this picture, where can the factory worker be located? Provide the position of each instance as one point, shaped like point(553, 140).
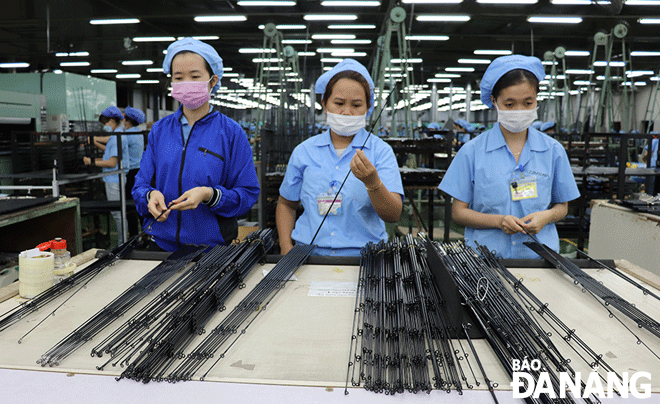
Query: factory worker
point(132, 118)
point(111, 118)
point(511, 179)
point(373, 192)
point(198, 162)
point(464, 130)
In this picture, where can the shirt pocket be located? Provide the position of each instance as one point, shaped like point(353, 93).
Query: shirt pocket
point(211, 164)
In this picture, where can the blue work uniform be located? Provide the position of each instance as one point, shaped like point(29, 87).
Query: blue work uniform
point(314, 169)
point(135, 148)
point(481, 175)
point(111, 150)
point(216, 154)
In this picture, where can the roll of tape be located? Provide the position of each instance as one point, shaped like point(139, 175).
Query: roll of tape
point(35, 272)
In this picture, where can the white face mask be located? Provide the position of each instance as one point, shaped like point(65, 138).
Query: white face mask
point(518, 120)
point(346, 125)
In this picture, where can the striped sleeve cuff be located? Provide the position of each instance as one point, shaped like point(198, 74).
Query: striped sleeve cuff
point(217, 194)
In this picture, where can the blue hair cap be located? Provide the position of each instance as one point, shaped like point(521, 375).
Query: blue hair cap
point(112, 112)
point(135, 114)
point(202, 49)
point(345, 65)
point(504, 64)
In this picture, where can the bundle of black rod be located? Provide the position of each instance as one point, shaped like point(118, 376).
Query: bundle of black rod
point(504, 314)
point(82, 276)
point(401, 337)
point(245, 312)
point(124, 302)
point(155, 337)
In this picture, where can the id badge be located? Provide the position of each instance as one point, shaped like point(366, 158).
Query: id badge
point(524, 188)
point(323, 201)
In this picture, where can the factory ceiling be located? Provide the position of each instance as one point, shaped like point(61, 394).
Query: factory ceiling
point(40, 32)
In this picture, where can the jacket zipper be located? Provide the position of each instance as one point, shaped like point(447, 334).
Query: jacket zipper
point(183, 161)
point(205, 150)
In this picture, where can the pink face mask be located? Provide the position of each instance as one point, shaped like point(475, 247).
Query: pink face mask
point(192, 94)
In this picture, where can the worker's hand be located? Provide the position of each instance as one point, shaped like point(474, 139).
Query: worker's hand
point(157, 205)
point(192, 198)
point(534, 222)
point(364, 170)
point(511, 224)
point(87, 161)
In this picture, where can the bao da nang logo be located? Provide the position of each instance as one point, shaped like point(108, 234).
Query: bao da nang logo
point(530, 381)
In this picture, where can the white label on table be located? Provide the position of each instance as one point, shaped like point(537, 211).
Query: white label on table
point(332, 289)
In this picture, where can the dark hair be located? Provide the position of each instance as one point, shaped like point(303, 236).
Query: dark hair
point(516, 76)
point(206, 64)
point(132, 121)
point(105, 119)
point(348, 74)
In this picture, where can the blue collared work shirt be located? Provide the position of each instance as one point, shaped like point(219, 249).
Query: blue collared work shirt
point(481, 174)
point(135, 148)
point(111, 150)
point(313, 166)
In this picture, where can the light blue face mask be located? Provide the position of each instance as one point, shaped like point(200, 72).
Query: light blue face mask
point(107, 128)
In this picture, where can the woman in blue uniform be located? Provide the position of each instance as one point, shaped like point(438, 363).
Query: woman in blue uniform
point(112, 119)
point(373, 192)
point(512, 179)
point(198, 162)
point(133, 118)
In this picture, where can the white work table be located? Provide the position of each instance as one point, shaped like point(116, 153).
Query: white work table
point(298, 348)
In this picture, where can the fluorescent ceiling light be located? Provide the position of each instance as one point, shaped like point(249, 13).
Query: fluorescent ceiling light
point(642, 2)
point(413, 60)
point(114, 21)
point(577, 2)
point(555, 20)
point(649, 21)
point(276, 3)
point(306, 53)
point(227, 69)
point(351, 26)
point(507, 1)
point(558, 77)
point(220, 18)
point(331, 60)
point(156, 70)
point(128, 76)
point(326, 68)
point(438, 80)
point(271, 60)
point(72, 64)
point(350, 41)
point(549, 62)
point(14, 65)
point(443, 18)
point(290, 26)
point(203, 37)
point(148, 81)
point(154, 39)
point(330, 50)
point(656, 78)
point(137, 62)
point(100, 71)
point(256, 50)
point(460, 69)
point(432, 1)
point(579, 71)
point(351, 54)
point(427, 37)
point(577, 53)
point(330, 17)
point(493, 52)
point(602, 63)
point(230, 75)
point(333, 36)
point(354, 3)
point(474, 61)
point(64, 54)
point(296, 41)
point(637, 73)
point(447, 75)
point(637, 83)
point(582, 82)
point(58, 71)
point(644, 53)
